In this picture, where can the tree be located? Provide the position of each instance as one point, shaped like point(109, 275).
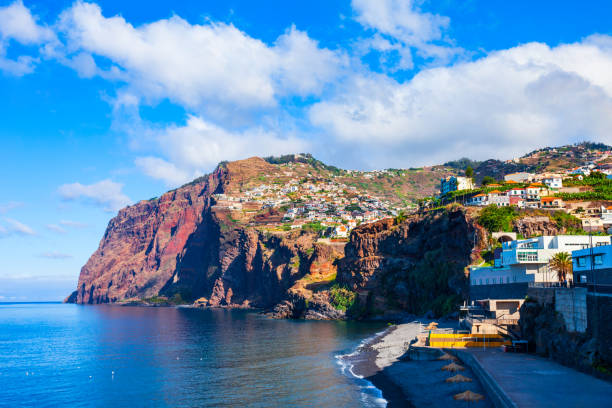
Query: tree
point(469, 172)
point(562, 263)
point(488, 180)
point(495, 218)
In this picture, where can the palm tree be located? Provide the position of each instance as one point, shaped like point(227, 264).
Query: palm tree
point(562, 263)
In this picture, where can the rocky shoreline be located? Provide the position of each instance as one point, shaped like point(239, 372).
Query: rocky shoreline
point(406, 377)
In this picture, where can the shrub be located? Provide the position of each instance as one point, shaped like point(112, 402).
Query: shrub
point(495, 218)
point(341, 297)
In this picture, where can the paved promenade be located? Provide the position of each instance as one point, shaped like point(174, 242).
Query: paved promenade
point(532, 381)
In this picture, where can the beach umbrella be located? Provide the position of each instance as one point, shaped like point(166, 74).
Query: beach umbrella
point(447, 356)
point(453, 367)
point(468, 396)
point(458, 378)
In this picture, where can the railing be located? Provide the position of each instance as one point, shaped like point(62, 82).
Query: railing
point(546, 285)
point(495, 322)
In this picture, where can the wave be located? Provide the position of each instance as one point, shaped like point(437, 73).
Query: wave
point(370, 395)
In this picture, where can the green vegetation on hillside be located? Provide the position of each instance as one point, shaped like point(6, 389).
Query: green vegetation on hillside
point(462, 163)
point(602, 188)
point(494, 218)
point(341, 298)
point(313, 227)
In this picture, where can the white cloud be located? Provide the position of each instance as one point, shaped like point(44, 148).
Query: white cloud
point(197, 64)
point(160, 169)
point(401, 26)
point(56, 228)
point(63, 224)
point(501, 105)
point(11, 205)
point(196, 147)
point(18, 24)
point(73, 224)
point(14, 227)
point(105, 193)
point(55, 255)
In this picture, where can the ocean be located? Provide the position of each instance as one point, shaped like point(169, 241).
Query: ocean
point(53, 354)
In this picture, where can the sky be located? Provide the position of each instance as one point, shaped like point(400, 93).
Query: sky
point(106, 103)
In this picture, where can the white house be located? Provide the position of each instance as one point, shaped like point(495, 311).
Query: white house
point(535, 191)
point(479, 199)
point(553, 181)
point(517, 192)
point(498, 198)
point(341, 231)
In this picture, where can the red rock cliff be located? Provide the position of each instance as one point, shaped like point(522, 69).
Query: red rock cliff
point(182, 243)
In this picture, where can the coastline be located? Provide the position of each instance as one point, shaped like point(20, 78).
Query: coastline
point(405, 382)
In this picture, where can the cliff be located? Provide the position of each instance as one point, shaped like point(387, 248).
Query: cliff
point(190, 245)
point(416, 265)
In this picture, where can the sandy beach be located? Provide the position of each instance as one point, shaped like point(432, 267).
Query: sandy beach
point(406, 382)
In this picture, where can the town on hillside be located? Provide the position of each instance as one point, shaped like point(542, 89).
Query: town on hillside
point(305, 194)
point(329, 201)
point(584, 191)
point(568, 271)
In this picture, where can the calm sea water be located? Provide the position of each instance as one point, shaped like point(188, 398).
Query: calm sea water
point(112, 356)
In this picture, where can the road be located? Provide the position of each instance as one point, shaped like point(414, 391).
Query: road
point(532, 381)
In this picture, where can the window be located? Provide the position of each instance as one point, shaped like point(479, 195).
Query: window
point(598, 259)
point(481, 281)
point(530, 256)
point(493, 281)
point(507, 279)
point(514, 278)
point(582, 261)
point(487, 281)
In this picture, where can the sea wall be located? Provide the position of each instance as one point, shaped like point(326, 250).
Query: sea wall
point(554, 322)
point(572, 305)
point(599, 326)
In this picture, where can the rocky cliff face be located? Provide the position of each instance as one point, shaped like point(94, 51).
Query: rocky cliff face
point(536, 226)
point(195, 244)
point(184, 243)
point(140, 248)
point(416, 266)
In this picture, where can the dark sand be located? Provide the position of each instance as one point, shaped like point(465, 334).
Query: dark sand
point(411, 383)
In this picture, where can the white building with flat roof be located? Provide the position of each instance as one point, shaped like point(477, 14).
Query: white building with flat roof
point(521, 177)
point(526, 260)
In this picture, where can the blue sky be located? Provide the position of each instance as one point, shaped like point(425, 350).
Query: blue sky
point(108, 103)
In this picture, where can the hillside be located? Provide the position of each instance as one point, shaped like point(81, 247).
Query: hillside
point(297, 236)
point(242, 235)
point(549, 159)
